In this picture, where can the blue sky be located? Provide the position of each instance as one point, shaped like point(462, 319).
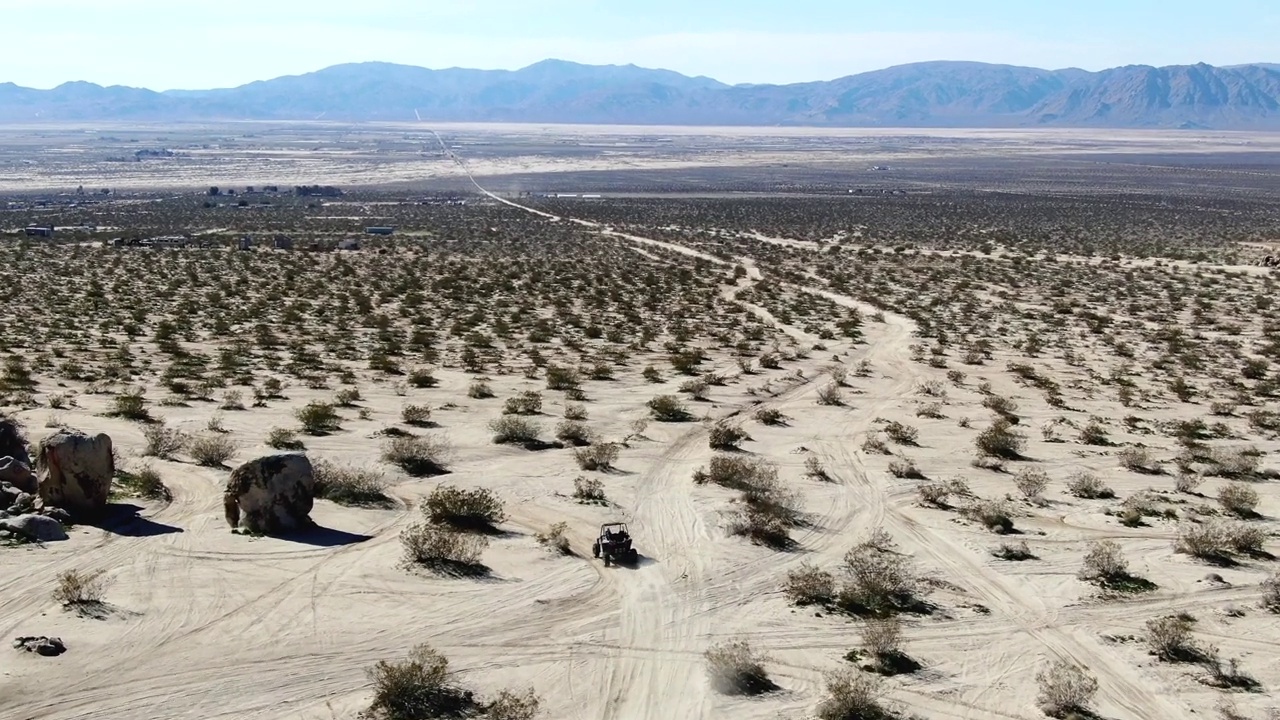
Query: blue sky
point(165, 44)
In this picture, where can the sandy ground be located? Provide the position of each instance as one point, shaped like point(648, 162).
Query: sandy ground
point(211, 625)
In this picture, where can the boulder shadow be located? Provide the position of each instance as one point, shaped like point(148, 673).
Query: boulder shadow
point(124, 519)
point(319, 536)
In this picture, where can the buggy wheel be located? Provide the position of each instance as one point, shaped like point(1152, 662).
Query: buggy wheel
point(633, 556)
point(595, 549)
point(606, 559)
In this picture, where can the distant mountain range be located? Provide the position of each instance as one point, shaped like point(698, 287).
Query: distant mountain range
point(933, 94)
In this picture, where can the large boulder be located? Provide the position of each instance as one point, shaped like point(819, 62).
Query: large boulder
point(17, 473)
point(271, 494)
point(37, 528)
point(75, 472)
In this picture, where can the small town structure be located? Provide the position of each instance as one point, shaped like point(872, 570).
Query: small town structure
point(379, 230)
point(348, 244)
point(45, 231)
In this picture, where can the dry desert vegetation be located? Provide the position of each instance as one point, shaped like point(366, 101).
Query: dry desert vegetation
point(916, 457)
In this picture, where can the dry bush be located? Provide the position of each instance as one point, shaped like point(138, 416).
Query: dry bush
point(830, 394)
point(130, 405)
point(479, 390)
point(145, 482)
point(554, 538)
point(442, 547)
point(1207, 541)
point(211, 450)
point(723, 436)
point(935, 494)
point(284, 439)
point(573, 433)
point(1188, 482)
point(1169, 638)
point(1014, 551)
point(575, 411)
point(419, 456)
point(933, 411)
point(809, 585)
point(873, 445)
point(528, 402)
point(589, 490)
point(882, 642)
point(900, 433)
point(423, 378)
point(1104, 563)
point(418, 687)
point(737, 473)
point(1066, 690)
point(79, 588)
point(347, 397)
point(878, 582)
point(600, 457)
point(318, 418)
point(1233, 462)
point(163, 441)
point(668, 408)
point(419, 415)
point(1088, 486)
point(1238, 499)
point(348, 485)
point(476, 509)
point(905, 468)
point(1093, 433)
point(1000, 440)
point(1138, 459)
point(761, 526)
point(1031, 483)
point(852, 695)
point(1271, 592)
point(736, 669)
point(509, 705)
point(993, 514)
point(814, 468)
point(1245, 538)
point(562, 378)
point(769, 416)
point(514, 429)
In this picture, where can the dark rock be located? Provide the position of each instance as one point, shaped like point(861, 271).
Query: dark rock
point(76, 472)
point(271, 494)
point(58, 514)
point(13, 443)
point(40, 645)
point(17, 473)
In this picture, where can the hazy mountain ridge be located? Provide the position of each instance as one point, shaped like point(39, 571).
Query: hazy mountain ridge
point(933, 94)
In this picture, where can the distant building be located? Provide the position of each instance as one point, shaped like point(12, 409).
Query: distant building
point(379, 230)
point(283, 242)
point(348, 244)
point(246, 243)
point(45, 231)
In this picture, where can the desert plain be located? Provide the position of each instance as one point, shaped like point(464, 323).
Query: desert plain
point(902, 424)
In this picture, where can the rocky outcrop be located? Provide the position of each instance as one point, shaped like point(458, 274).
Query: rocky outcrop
point(40, 645)
point(270, 495)
point(13, 442)
point(34, 528)
point(75, 472)
point(17, 472)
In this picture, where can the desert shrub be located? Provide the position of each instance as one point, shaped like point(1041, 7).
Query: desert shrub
point(737, 473)
point(1002, 406)
point(416, 688)
point(1014, 551)
point(761, 525)
point(1187, 482)
point(1233, 462)
point(1169, 638)
point(1207, 541)
point(1093, 433)
point(211, 450)
point(509, 705)
point(668, 408)
point(873, 445)
point(514, 429)
point(573, 433)
point(1086, 485)
point(163, 441)
point(476, 509)
point(528, 402)
point(934, 494)
point(830, 394)
point(1245, 537)
point(348, 485)
point(419, 456)
point(79, 588)
point(736, 669)
point(852, 695)
point(905, 468)
point(839, 373)
point(284, 439)
point(600, 457)
point(809, 585)
point(933, 411)
point(993, 514)
point(901, 434)
point(589, 490)
point(130, 405)
point(347, 397)
point(696, 388)
point(1000, 440)
point(651, 374)
point(1271, 592)
point(1238, 499)
point(814, 468)
point(318, 418)
point(1138, 459)
point(1066, 690)
point(562, 378)
point(554, 538)
point(232, 400)
point(723, 436)
point(1104, 563)
point(1031, 483)
point(144, 482)
point(769, 416)
point(479, 390)
point(877, 581)
point(882, 642)
point(575, 411)
point(422, 378)
point(419, 415)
